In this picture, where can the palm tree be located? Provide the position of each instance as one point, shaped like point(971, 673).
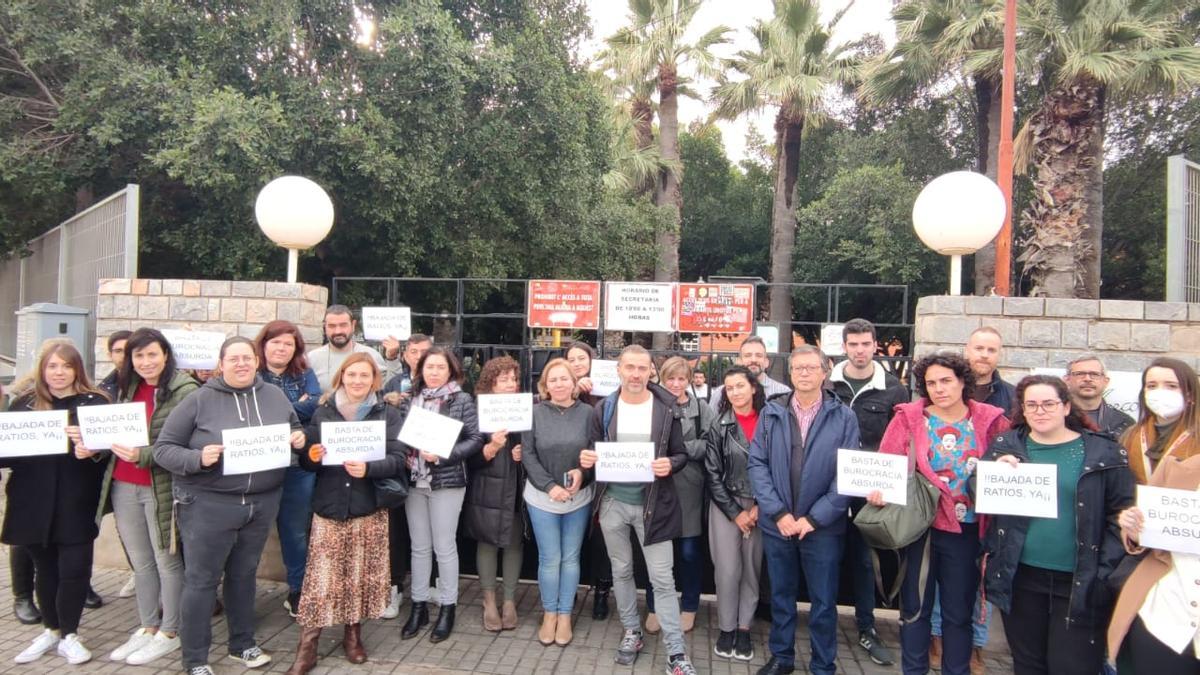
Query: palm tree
point(1091, 51)
point(651, 50)
point(791, 70)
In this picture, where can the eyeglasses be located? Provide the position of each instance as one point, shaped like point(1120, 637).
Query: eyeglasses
point(1086, 374)
point(1045, 406)
point(805, 369)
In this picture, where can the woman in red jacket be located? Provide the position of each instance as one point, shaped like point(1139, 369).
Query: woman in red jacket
point(948, 433)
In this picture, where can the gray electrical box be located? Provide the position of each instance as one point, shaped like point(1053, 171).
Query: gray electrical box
point(42, 321)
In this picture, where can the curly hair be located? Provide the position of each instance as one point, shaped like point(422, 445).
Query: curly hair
point(492, 370)
point(955, 362)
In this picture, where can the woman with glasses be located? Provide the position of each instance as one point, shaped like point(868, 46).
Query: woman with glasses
point(1048, 576)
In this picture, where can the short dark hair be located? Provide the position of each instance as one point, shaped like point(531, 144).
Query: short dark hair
point(117, 336)
point(955, 362)
point(858, 327)
point(456, 371)
point(416, 339)
point(338, 309)
point(752, 340)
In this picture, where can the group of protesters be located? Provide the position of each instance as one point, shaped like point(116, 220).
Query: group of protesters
point(754, 466)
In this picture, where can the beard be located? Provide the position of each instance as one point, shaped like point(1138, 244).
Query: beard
point(339, 340)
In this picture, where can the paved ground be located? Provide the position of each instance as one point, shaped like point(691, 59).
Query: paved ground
point(470, 649)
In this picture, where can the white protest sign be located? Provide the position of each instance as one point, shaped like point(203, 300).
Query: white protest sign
point(639, 307)
point(505, 412)
point(195, 349)
point(604, 378)
point(37, 432)
point(123, 424)
point(624, 462)
point(251, 449)
point(429, 431)
point(1172, 519)
point(770, 337)
point(859, 473)
point(353, 441)
point(380, 323)
point(1123, 387)
point(831, 339)
point(1026, 489)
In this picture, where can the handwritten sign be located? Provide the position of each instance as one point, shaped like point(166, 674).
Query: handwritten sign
point(505, 412)
point(104, 425)
point(716, 308)
point(624, 462)
point(831, 339)
point(563, 304)
point(429, 431)
point(380, 323)
point(605, 379)
point(195, 349)
point(353, 441)
point(639, 307)
point(859, 473)
point(1172, 519)
point(252, 449)
point(1027, 489)
point(37, 432)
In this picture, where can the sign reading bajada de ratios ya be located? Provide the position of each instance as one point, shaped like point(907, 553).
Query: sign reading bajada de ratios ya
point(641, 306)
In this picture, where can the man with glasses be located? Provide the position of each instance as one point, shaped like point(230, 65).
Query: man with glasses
point(793, 474)
point(1087, 381)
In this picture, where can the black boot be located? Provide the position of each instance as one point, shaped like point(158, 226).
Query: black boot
point(418, 618)
point(93, 599)
point(600, 600)
point(444, 625)
point(25, 611)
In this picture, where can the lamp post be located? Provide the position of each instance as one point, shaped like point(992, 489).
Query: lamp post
point(295, 213)
point(957, 214)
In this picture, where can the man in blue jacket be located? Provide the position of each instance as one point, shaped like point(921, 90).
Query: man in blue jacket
point(793, 473)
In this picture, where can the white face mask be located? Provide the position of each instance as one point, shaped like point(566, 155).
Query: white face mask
point(1165, 403)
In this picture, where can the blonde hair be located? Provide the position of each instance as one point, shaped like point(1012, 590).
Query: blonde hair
point(673, 365)
point(355, 358)
point(556, 363)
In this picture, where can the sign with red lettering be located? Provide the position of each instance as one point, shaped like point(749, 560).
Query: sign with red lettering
point(563, 304)
point(716, 308)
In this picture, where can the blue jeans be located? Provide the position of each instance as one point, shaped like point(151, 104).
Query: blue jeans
point(863, 575)
point(952, 566)
point(979, 627)
point(559, 540)
point(295, 516)
point(688, 567)
point(818, 557)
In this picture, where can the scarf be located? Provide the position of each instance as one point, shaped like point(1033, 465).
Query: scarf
point(353, 412)
point(430, 399)
point(1144, 444)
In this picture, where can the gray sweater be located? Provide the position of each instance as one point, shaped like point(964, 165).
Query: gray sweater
point(552, 447)
point(198, 421)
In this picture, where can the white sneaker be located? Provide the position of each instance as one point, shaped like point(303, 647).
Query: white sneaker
point(71, 649)
point(395, 600)
point(139, 639)
point(41, 644)
point(129, 589)
point(158, 647)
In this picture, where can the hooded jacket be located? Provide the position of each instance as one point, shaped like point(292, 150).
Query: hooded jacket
point(874, 404)
point(199, 420)
point(835, 426)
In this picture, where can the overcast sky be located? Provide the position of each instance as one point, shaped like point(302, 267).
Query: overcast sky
point(867, 16)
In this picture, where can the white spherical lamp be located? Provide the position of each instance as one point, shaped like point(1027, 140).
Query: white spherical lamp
point(957, 214)
point(295, 213)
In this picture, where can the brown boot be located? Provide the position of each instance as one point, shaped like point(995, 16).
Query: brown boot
point(562, 632)
point(306, 653)
point(352, 644)
point(491, 616)
point(549, 628)
point(977, 665)
point(935, 652)
point(508, 615)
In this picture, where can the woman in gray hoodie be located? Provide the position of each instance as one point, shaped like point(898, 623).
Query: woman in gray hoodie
point(223, 518)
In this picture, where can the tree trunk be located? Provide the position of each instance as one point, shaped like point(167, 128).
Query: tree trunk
point(668, 195)
point(642, 112)
point(788, 128)
point(987, 129)
point(1095, 205)
point(1063, 133)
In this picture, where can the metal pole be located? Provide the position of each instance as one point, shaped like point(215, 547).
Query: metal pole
point(1004, 169)
point(293, 263)
point(956, 275)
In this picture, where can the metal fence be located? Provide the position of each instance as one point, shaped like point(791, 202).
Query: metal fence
point(65, 264)
point(1183, 230)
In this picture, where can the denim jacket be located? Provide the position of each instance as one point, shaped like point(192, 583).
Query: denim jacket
point(296, 386)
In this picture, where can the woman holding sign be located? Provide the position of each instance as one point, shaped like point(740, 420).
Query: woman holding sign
point(139, 494)
point(1048, 576)
point(225, 504)
point(946, 432)
point(439, 486)
point(347, 578)
point(495, 512)
point(52, 496)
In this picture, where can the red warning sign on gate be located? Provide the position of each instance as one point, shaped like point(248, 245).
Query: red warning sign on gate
point(563, 304)
point(716, 308)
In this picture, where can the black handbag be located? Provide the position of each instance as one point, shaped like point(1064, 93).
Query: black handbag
point(390, 493)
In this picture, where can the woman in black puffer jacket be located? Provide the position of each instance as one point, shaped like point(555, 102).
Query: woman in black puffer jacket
point(439, 485)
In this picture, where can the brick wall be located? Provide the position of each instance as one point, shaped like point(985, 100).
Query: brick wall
point(1049, 332)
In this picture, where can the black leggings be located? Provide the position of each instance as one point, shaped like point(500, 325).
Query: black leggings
point(1150, 655)
point(1036, 627)
point(20, 569)
point(399, 548)
point(63, 574)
